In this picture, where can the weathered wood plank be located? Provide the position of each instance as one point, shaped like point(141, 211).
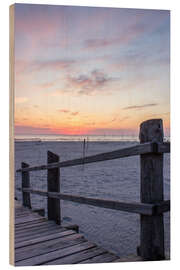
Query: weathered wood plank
point(47, 246)
point(29, 219)
point(78, 257)
point(26, 227)
point(33, 223)
point(29, 231)
point(152, 227)
point(27, 215)
point(21, 214)
point(30, 235)
point(103, 258)
point(33, 234)
point(41, 238)
point(38, 260)
point(53, 183)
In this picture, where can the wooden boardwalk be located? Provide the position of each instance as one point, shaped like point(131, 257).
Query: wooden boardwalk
point(39, 241)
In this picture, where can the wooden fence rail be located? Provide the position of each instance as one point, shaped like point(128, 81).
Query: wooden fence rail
point(152, 205)
point(133, 207)
point(145, 148)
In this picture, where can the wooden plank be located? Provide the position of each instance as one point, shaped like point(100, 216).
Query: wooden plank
point(133, 207)
point(22, 210)
point(47, 246)
point(62, 240)
point(29, 219)
point(25, 184)
point(152, 227)
point(42, 238)
point(27, 215)
point(27, 224)
point(103, 258)
point(78, 257)
point(53, 183)
point(21, 214)
point(35, 227)
point(38, 260)
point(37, 234)
point(121, 153)
point(50, 246)
point(21, 234)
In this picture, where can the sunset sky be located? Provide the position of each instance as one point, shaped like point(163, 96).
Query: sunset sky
point(84, 70)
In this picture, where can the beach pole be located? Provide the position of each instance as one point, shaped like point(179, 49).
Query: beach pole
point(25, 184)
point(152, 227)
point(53, 183)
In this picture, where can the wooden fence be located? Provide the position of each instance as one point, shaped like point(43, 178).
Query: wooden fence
point(152, 205)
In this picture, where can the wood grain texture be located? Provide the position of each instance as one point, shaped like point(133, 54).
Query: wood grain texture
point(48, 243)
point(47, 246)
point(53, 182)
point(152, 227)
point(41, 259)
point(42, 238)
point(78, 257)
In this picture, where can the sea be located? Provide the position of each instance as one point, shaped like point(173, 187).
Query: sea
point(92, 138)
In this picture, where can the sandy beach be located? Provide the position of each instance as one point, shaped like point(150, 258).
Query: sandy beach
point(118, 180)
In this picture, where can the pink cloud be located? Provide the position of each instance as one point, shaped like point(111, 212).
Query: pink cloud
point(64, 111)
point(68, 111)
point(88, 84)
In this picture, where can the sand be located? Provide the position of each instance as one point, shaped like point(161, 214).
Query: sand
point(118, 180)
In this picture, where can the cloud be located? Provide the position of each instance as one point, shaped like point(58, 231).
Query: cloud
point(139, 107)
point(88, 84)
point(64, 111)
point(23, 129)
point(68, 112)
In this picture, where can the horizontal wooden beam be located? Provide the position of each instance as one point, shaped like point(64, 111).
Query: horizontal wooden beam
point(133, 207)
point(139, 149)
point(164, 147)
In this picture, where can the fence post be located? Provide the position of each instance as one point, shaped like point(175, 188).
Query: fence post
point(53, 182)
point(152, 227)
point(25, 184)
